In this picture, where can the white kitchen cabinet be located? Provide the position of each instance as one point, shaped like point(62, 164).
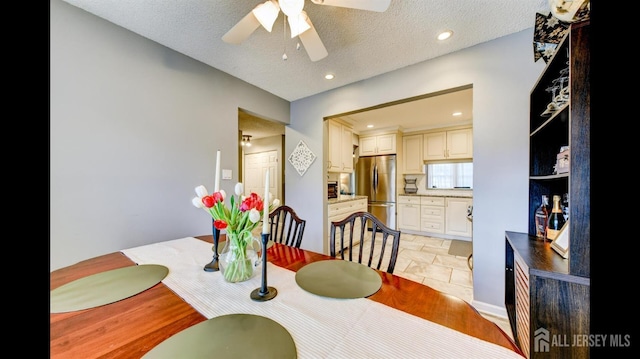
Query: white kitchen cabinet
point(412, 152)
point(409, 213)
point(446, 145)
point(432, 214)
point(340, 147)
point(439, 216)
point(378, 145)
point(340, 210)
point(456, 221)
point(347, 149)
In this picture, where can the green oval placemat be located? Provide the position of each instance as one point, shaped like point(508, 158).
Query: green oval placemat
point(106, 287)
point(229, 336)
point(338, 279)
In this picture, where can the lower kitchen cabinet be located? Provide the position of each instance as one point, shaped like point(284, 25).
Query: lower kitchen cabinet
point(340, 210)
point(456, 221)
point(435, 215)
point(409, 213)
point(432, 214)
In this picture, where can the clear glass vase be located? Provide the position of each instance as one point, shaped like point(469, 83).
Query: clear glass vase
point(240, 256)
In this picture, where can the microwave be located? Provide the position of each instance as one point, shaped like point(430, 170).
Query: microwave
point(332, 189)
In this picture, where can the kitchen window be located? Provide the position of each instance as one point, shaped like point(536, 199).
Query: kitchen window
point(449, 175)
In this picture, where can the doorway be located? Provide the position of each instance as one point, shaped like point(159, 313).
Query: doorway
point(255, 169)
point(265, 149)
point(431, 115)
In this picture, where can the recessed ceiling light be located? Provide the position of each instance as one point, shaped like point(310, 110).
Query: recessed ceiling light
point(329, 76)
point(369, 126)
point(445, 35)
point(456, 114)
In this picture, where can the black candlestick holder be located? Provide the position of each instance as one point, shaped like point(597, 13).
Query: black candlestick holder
point(264, 293)
point(213, 265)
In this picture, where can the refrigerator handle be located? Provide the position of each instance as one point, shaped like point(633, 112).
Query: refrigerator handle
point(375, 178)
point(381, 204)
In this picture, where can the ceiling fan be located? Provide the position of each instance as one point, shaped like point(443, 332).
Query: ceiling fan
point(265, 14)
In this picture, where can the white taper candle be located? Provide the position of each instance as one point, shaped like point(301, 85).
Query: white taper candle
point(265, 219)
point(216, 186)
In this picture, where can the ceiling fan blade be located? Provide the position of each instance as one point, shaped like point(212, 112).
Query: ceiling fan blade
point(370, 5)
point(311, 41)
point(241, 30)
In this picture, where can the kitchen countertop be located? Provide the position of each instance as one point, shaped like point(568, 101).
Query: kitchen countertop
point(345, 198)
point(461, 193)
point(464, 193)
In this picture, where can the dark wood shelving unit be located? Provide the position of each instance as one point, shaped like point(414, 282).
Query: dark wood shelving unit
point(547, 296)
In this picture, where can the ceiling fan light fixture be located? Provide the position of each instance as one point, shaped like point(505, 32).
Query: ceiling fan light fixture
point(291, 8)
point(298, 24)
point(267, 13)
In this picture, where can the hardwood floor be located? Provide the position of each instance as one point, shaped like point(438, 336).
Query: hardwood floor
point(426, 260)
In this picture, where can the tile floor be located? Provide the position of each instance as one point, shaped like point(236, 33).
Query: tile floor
point(426, 260)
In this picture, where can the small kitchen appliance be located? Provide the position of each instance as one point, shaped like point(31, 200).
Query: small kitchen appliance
point(332, 189)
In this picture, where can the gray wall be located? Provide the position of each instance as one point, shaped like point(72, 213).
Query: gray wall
point(135, 127)
point(502, 73)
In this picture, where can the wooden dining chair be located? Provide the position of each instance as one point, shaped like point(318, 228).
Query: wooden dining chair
point(372, 238)
point(286, 227)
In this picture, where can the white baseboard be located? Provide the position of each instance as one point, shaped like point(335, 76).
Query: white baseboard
point(496, 311)
point(438, 235)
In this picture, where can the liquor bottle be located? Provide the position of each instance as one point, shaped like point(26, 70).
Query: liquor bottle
point(542, 216)
point(565, 206)
point(556, 219)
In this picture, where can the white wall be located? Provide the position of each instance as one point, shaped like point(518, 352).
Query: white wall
point(134, 129)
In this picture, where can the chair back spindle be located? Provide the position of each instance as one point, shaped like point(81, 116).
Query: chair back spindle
point(286, 227)
point(373, 239)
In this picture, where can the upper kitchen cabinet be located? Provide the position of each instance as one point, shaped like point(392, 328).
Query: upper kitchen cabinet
point(384, 144)
point(340, 147)
point(412, 154)
point(448, 145)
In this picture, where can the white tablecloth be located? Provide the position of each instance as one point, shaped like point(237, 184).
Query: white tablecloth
point(321, 327)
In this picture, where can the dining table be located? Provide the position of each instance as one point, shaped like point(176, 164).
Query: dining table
point(134, 326)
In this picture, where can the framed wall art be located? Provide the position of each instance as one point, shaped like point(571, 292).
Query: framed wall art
point(301, 158)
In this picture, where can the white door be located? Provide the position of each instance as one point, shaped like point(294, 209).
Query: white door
point(255, 168)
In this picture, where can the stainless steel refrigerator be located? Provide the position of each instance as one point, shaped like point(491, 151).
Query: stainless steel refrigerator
point(375, 177)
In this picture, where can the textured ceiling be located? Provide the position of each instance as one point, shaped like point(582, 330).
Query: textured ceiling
point(361, 44)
